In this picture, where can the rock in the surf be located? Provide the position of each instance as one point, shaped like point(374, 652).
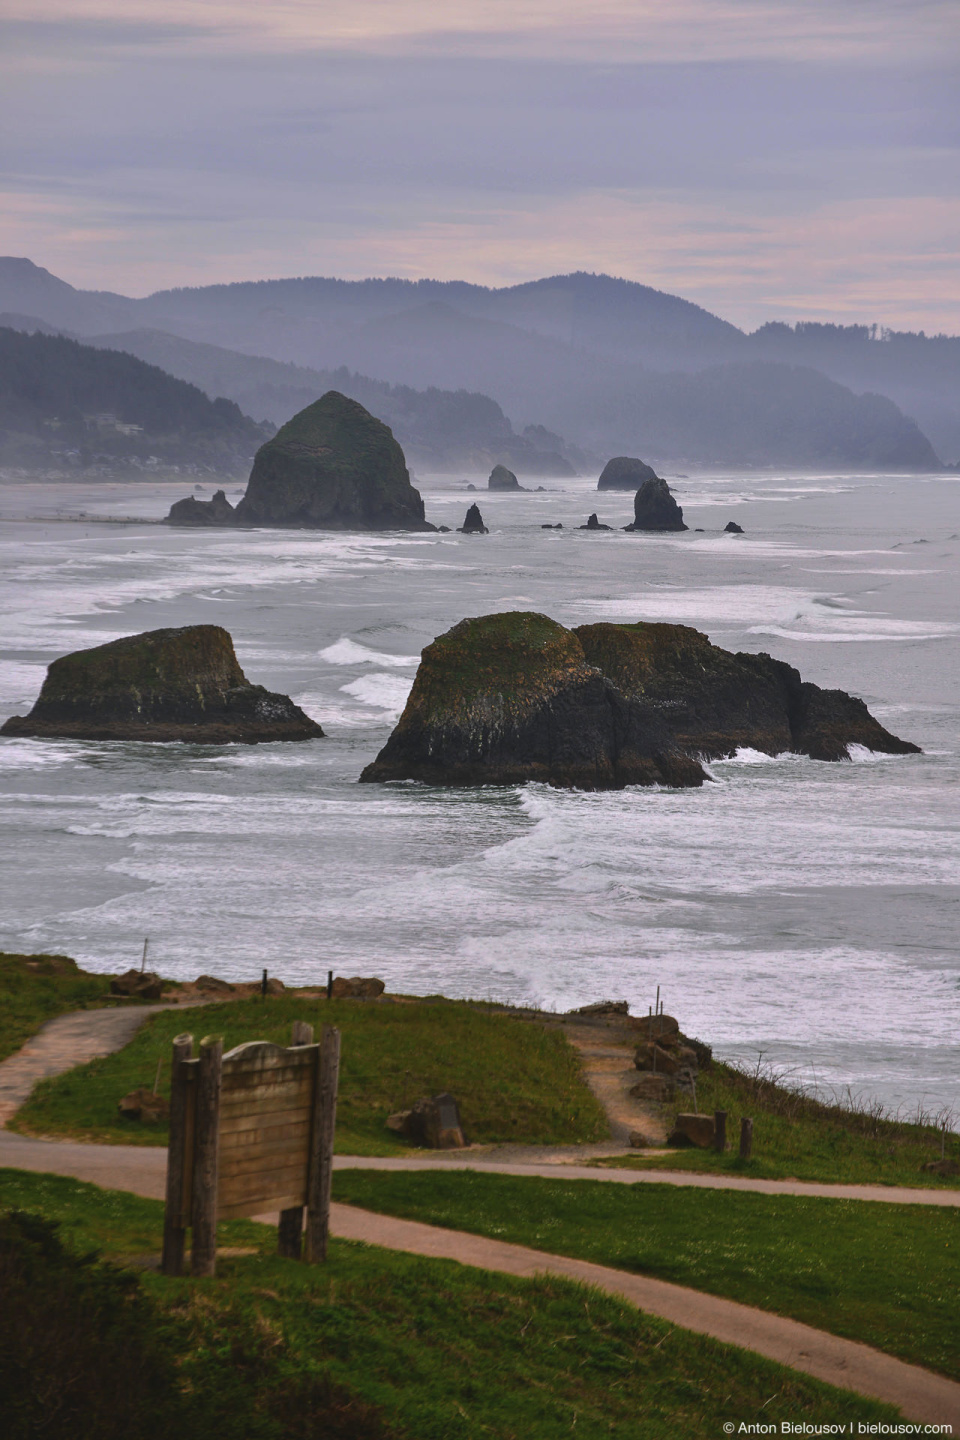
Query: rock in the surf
point(473, 524)
point(511, 697)
point(503, 479)
point(710, 702)
point(514, 697)
point(181, 684)
point(625, 472)
point(593, 523)
point(654, 508)
point(191, 511)
point(732, 528)
point(334, 466)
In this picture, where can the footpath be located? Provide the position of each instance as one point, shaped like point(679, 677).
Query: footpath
point(922, 1396)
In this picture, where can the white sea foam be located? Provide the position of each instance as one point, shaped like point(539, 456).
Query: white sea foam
point(348, 652)
point(387, 692)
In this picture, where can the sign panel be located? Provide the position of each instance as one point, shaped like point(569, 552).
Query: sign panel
point(267, 1102)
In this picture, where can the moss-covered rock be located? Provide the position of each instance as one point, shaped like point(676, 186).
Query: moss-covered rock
point(514, 697)
point(332, 467)
point(625, 472)
point(163, 685)
point(508, 698)
point(710, 702)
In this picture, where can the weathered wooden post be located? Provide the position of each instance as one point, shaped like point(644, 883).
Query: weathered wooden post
point(719, 1131)
point(290, 1228)
point(321, 1144)
point(206, 1150)
point(178, 1161)
point(746, 1138)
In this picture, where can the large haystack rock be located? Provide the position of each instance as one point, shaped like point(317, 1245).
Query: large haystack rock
point(332, 467)
point(163, 685)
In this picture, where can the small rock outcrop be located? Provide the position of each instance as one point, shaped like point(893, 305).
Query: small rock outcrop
point(514, 697)
point(625, 472)
point(699, 1130)
point(732, 528)
point(145, 1106)
point(191, 511)
point(137, 985)
point(473, 524)
point(163, 685)
point(593, 523)
point(357, 987)
point(433, 1123)
point(503, 479)
point(654, 508)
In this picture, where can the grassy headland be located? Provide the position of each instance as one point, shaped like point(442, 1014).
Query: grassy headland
point(514, 1080)
point(371, 1346)
point(800, 1136)
point(887, 1275)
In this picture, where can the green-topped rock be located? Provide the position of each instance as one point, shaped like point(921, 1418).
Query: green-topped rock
point(710, 702)
point(332, 467)
point(163, 685)
point(508, 698)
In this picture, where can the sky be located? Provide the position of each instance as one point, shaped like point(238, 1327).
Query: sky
point(768, 159)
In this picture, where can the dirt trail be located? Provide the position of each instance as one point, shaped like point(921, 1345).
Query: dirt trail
point(606, 1053)
point(64, 1042)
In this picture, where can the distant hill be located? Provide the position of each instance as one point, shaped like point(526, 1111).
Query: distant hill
point(65, 405)
point(580, 354)
point(440, 430)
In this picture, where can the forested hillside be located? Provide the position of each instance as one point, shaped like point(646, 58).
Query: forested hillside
point(69, 406)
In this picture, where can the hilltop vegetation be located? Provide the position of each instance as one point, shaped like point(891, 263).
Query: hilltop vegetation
point(72, 407)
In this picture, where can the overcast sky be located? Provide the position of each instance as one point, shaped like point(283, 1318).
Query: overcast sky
point(768, 159)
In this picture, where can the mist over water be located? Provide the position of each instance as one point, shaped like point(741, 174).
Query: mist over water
point(804, 910)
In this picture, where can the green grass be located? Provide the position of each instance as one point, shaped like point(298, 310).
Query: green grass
point(888, 1275)
point(797, 1136)
point(514, 1081)
point(427, 1349)
point(35, 988)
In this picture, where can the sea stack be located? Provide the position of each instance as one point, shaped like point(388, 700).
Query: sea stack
point(191, 511)
point(473, 523)
point(508, 698)
point(334, 466)
point(625, 472)
point(181, 684)
point(654, 508)
point(503, 479)
point(514, 697)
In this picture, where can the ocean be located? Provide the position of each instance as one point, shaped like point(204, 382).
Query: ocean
point(794, 914)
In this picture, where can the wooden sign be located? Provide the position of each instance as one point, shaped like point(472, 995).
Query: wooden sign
point(250, 1132)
